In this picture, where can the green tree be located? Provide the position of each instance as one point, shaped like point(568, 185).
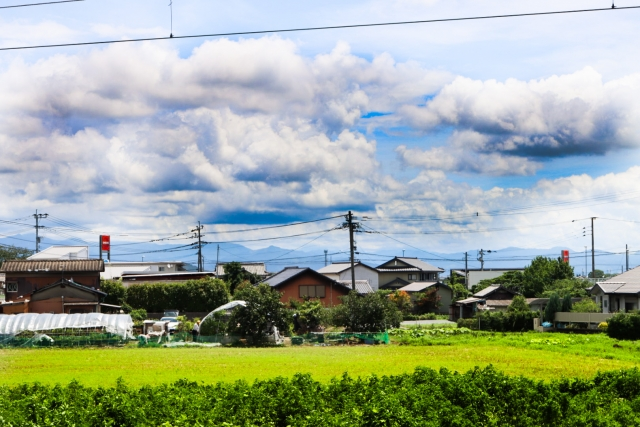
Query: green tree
point(263, 311)
point(574, 287)
point(193, 295)
point(542, 273)
point(309, 315)
point(599, 274)
point(457, 286)
point(372, 312)
point(518, 305)
point(553, 306)
point(587, 305)
point(566, 304)
point(235, 275)
point(13, 252)
point(116, 292)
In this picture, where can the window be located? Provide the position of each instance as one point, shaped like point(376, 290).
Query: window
point(311, 291)
point(413, 277)
point(606, 302)
point(12, 286)
point(160, 268)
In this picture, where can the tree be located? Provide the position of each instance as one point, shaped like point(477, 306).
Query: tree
point(372, 312)
point(13, 252)
point(308, 315)
point(427, 301)
point(460, 291)
point(553, 306)
point(587, 305)
point(263, 311)
point(402, 300)
point(598, 273)
point(518, 305)
point(566, 304)
point(543, 272)
point(234, 275)
point(116, 292)
point(574, 287)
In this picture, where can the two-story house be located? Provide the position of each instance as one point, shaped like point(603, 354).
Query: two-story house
point(399, 272)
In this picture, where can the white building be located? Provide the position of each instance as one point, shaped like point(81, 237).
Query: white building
point(62, 252)
point(115, 270)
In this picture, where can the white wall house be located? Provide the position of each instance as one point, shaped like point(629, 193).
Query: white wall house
point(341, 272)
point(62, 252)
point(114, 270)
point(619, 293)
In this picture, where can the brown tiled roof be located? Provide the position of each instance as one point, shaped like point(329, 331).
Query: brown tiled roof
point(44, 265)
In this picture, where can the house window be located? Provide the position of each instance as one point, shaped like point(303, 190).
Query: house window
point(160, 268)
point(606, 303)
point(311, 291)
point(413, 277)
point(12, 286)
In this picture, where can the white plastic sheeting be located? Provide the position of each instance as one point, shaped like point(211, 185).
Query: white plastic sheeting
point(226, 307)
point(13, 324)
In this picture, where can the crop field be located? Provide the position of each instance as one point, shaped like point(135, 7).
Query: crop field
point(533, 355)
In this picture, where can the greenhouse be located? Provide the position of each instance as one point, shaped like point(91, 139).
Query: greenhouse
point(63, 330)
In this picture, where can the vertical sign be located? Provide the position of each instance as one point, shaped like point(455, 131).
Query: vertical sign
point(564, 254)
point(105, 245)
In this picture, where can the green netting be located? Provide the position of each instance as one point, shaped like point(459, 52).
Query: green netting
point(342, 338)
point(92, 339)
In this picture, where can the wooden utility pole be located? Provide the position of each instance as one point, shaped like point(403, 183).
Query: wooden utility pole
point(352, 249)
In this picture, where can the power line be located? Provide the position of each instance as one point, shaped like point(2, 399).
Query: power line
point(331, 27)
point(38, 4)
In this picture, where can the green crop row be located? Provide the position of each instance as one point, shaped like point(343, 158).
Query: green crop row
point(481, 397)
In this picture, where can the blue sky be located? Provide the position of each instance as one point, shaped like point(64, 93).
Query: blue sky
point(428, 121)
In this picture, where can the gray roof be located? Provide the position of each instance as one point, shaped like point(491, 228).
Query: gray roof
point(289, 272)
point(625, 283)
point(52, 265)
point(486, 291)
point(339, 267)
point(417, 286)
point(73, 284)
point(412, 262)
point(362, 286)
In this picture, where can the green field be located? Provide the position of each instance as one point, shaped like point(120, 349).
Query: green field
point(540, 356)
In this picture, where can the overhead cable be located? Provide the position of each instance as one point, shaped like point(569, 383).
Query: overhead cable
point(330, 27)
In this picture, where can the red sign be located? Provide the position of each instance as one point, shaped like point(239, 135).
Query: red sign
point(105, 243)
point(564, 254)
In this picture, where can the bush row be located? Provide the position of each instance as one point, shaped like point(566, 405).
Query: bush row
point(424, 398)
point(624, 326)
point(501, 321)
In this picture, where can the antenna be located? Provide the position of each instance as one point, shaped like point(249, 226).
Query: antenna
point(171, 10)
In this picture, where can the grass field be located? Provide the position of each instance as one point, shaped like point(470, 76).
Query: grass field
point(541, 356)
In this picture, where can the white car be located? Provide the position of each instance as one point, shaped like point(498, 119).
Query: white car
point(172, 325)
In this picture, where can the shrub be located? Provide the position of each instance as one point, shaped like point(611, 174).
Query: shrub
point(518, 305)
point(193, 295)
point(262, 312)
point(308, 316)
point(587, 305)
point(138, 315)
point(624, 326)
point(507, 322)
point(468, 323)
point(372, 312)
point(553, 306)
point(402, 300)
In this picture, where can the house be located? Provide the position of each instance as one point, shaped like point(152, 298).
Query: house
point(475, 275)
point(116, 270)
point(362, 286)
point(23, 277)
point(444, 292)
point(495, 297)
point(399, 272)
point(258, 269)
point(341, 272)
point(619, 293)
point(300, 283)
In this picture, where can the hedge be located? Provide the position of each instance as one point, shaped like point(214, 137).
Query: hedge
point(194, 295)
point(624, 326)
point(481, 397)
point(501, 321)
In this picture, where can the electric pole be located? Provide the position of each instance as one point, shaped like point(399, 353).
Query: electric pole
point(593, 253)
point(325, 257)
point(466, 270)
point(38, 216)
point(217, 260)
point(199, 236)
point(352, 249)
point(481, 257)
point(626, 247)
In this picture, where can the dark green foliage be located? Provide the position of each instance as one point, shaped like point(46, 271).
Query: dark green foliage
point(116, 293)
point(13, 252)
point(567, 287)
point(138, 315)
point(263, 311)
point(193, 295)
point(598, 273)
point(372, 312)
point(566, 304)
point(481, 397)
point(501, 321)
point(308, 315)
point(587, 305)
point(624, 326)
point(542, 273)
point(518, 305)
point(512, 280)
point(234, 275)
point(553, 306)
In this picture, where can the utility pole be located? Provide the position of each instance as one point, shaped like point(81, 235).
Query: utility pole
point(626, 247)
point(586, 267)
point(466, 270)
point(593, 252)
point(325, 257)
point(352, 249)
point(481, 257)
point(38, 216)
point(199, 236)
point(217, 260)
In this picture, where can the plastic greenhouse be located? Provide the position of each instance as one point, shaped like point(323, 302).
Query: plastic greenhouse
point(45, 329)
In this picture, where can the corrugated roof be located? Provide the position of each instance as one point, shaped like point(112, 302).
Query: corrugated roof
point(53, 265)
point(362, 286)
point(631, 276)
point(336, 267)
point(486, 291)
point(468, 300)
point(417, 286)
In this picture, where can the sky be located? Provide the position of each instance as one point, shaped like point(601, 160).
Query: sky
point(441, 137)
